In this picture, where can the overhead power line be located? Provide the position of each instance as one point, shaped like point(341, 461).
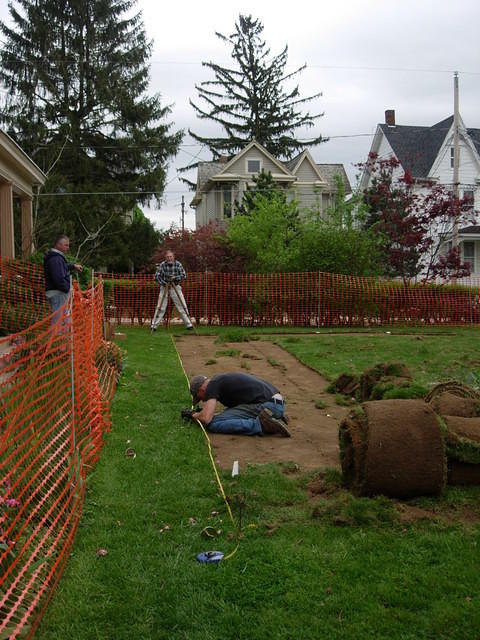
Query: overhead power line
point(101, 193)
point(308, 65)
point(185, 146)
point(185, 192)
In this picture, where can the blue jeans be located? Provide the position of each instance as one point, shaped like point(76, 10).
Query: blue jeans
point(56, 302)
point(243, 419)
point(59, 315)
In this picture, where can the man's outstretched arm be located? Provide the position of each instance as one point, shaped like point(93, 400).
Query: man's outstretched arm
point(206, 414)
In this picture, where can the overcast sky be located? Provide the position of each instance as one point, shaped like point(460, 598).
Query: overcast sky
point(365, 56)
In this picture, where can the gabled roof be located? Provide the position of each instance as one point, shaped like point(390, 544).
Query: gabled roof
point(205, 171)
point(294, 164)
point(475, 136)
point(210, 172)
point(328, 173)
point(215, 170)
point(417, 147)
point(254, 144)
point(291, 164)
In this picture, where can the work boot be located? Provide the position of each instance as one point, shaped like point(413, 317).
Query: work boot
point(271, 426)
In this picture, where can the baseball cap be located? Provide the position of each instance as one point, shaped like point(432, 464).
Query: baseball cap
point(195, 384)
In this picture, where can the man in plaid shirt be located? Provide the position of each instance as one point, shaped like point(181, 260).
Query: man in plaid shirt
point(169, 274)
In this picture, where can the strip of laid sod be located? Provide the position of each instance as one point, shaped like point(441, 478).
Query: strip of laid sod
point(431, 357)
point(293, 575)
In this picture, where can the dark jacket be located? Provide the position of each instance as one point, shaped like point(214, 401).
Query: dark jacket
point(232, 389)
point(57, 271)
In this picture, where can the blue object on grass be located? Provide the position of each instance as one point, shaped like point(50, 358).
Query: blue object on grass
point(210, 556)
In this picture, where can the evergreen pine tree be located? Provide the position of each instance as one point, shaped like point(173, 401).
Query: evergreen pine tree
point(249, 101)
point(76, 74)
point(265, 187)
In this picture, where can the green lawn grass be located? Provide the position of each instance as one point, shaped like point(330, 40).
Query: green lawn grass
point(342, 568)
point(431, 356)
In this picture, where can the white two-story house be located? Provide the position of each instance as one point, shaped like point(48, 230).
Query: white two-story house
point(221, 185)
point(428, 154)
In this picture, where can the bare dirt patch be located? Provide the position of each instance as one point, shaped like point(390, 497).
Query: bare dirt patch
point(314, 441)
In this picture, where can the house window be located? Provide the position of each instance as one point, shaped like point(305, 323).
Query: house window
point(452, 157)
point(468, 195)
point(469, 253)
point(254, 166)
point(227, 202)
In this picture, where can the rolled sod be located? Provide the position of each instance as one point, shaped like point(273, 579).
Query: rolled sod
point(462, 439)
point(455, 388)
point(450, 404)
point(394, 448)
point(463, 473)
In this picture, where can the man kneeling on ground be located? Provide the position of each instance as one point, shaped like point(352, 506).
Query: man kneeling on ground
point(253, 406)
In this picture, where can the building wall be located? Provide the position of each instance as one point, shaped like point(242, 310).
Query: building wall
point(207, 209)
point(200, 216)
point(468, 167)
point(385, 152)
point(307, 198)
point(442, 171)
point(305, 172)
point(306, 186)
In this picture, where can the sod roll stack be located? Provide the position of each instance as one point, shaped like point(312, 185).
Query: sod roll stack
point(394, 448)
point(450, 404)
point(462, 439)
point(458, 405)
point(455, 388)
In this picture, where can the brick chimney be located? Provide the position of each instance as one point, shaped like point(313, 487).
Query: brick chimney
point(223, 159)
point(390, 117)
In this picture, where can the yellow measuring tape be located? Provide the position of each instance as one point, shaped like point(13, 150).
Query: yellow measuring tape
point(210, 453)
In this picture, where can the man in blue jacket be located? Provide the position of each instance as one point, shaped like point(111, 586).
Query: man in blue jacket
point(57, 273)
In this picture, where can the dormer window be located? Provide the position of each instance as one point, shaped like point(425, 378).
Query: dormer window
point(254, 166)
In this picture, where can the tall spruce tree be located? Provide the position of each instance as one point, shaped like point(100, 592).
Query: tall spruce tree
point(250, 101)
point(76, 74)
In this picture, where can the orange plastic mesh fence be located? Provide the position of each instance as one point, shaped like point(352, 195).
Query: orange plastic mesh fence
point(22, 295)
point(56, 382)
point(297, 299)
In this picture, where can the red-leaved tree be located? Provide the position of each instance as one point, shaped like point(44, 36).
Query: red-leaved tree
point(205, 249)
point(414, 221)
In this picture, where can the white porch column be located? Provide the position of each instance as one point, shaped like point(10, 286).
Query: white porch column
point(27, 227)
point(7, 244)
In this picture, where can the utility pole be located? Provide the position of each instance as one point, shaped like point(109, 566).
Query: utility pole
point(456, 150)
point(183, 214)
